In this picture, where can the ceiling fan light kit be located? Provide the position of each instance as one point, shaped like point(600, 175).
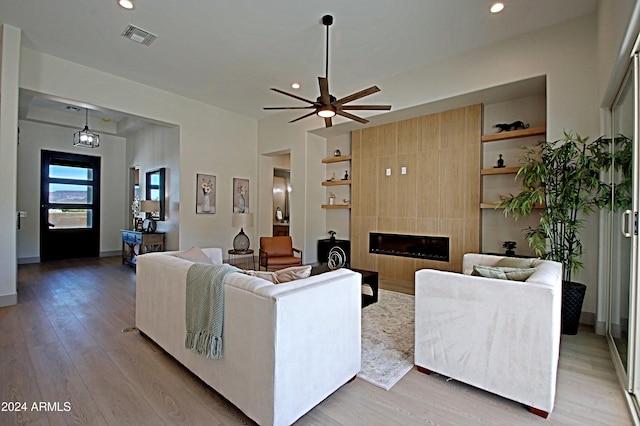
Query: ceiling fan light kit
point(326, 105)
point(326, 111)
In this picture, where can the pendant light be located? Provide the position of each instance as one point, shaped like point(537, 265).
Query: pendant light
point(86, 137)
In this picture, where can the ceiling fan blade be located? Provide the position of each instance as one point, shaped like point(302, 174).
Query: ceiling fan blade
point(351, 116)
point(307, 107)
point(367, 107)
point(304, 116)
point(327, 122)
point(361, 94)
point(325, 97)
point(294, 96)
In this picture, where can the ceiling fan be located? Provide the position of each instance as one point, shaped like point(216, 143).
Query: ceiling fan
point(326, 105)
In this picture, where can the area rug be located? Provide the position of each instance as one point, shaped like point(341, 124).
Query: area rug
point(387, 339)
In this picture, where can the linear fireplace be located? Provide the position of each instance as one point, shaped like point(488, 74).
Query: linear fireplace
point(419, 246)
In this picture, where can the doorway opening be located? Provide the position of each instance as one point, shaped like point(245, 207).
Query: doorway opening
point(69, 206)
point(281, 203)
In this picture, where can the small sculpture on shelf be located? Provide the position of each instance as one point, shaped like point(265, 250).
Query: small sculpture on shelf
point(332, 198)
point(516, 125)
point(337, 153)
point(345, 201)
point(346, 175)
point(500, 162)
point(510, 248)
point(332, 178)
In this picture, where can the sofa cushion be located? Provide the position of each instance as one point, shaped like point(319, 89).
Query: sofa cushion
point(265, 275)
point(516, 262)
point(503, 272)
point(293, 273)
point(194, 254)
point(283, 275)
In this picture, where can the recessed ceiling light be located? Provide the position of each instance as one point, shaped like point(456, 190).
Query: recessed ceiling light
point(295, 85)
point(497, 7)
point(127, 4)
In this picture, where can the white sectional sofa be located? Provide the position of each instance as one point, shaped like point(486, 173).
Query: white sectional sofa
point(498, 335)
point(286, 347)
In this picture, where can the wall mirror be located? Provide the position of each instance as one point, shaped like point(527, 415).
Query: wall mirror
point(154, 190)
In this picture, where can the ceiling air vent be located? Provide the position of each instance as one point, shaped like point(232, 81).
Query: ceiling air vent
point(138, 35)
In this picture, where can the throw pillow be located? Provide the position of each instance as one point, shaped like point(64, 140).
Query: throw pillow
point(518, 274)
point(488, 272)
point(516, 262)
point(194, 254)
point(293, 273)
point(503, 272)
point(265, 275)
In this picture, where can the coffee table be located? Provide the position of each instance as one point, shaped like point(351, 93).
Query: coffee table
point(369, 278)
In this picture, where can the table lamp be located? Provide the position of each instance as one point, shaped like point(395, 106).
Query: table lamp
point(241, 241)
point(149, 206)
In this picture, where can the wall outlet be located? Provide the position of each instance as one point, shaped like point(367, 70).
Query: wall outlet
point(403, 171)
point(388, 172)
point(22, 214)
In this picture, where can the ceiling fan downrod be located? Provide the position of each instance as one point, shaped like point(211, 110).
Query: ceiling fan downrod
point(327, 20)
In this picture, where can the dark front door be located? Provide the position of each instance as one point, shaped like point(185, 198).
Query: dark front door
point(69, 206)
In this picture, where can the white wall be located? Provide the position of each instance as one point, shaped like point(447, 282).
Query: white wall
point(212, 140)
point(150, 149)
point(35, 137)
point(9, 76)
point(564, 53)
point(613, 50)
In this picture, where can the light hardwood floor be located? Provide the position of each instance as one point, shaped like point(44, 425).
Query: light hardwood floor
point(64, 343)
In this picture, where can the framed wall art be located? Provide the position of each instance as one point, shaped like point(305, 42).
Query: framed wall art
point(205, 194)
point(240, 195)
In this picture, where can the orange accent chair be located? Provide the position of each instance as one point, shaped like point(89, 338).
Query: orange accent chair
point(278, 253)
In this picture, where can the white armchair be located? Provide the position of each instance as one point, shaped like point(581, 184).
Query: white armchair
point(498, 335)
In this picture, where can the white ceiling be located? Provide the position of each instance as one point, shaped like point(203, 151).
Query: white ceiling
point(229, 53)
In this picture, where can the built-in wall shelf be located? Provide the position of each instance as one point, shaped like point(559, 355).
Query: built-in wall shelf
point(336, 206)
point(500, 171)
point(488, 205)
point(493, 206)
point(337, 159)
point(336, 182)
point(515, 134)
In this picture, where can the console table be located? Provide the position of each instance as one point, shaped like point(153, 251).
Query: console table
point(136, 242)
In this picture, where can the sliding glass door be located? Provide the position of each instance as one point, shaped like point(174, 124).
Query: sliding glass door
point(622, 325)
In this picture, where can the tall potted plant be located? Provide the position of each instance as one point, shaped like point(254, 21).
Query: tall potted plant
point(562, 179)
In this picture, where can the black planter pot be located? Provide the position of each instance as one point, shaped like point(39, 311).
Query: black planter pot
point(572, 298)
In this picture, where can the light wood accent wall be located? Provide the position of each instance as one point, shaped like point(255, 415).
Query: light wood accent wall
point(439, 195)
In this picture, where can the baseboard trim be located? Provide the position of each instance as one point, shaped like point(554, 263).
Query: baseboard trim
point(588, 318)
point(9, 300)
point(110, 253)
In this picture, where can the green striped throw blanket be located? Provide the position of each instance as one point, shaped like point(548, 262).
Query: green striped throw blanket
point(205, 308)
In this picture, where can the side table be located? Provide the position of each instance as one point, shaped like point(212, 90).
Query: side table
point(242, 259)
point(135, 243)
